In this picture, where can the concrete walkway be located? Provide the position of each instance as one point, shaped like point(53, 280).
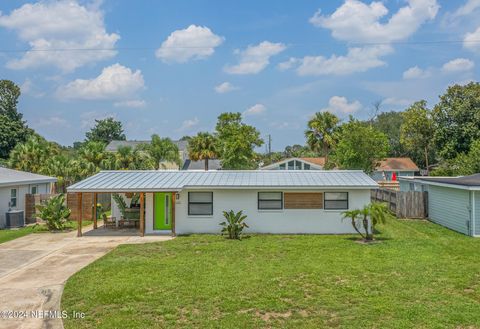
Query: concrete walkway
point(34, 269)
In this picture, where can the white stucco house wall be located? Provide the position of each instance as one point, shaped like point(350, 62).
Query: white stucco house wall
point(289, 202)
point(14, 184)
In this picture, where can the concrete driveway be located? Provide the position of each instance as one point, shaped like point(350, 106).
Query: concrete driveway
point(34, 269)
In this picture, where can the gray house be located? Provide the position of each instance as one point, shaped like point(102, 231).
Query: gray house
point(453, 202)
point(14, 184)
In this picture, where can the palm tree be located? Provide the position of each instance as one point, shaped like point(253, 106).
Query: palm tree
point(91, 158)
point(31, 155)
point(202, 147)
point(379, 214)
point(320, 132)
point(62, 167)
point(162, 150)
point(353, 216)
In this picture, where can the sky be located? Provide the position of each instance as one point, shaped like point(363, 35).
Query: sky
point(171, 67)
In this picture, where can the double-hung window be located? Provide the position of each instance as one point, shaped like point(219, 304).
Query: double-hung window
point(200, 203)
point(270, 200)
point(335, 200)
point(13, 197)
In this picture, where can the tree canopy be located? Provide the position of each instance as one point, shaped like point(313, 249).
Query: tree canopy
point(236, 142)
point(457, 120)
point(360, 146)
point(320, 132)
point(203, 146)
point(13, 129)
point(105, 131)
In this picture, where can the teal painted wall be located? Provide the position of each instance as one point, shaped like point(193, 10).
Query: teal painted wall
point(477, 212)
point(449, 207)
point(406, 186)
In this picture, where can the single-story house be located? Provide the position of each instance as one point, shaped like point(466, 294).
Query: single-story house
point(184, 202)
point(453, 202)
point(388, 166)
point(14, 184)
point(186, 163)
point(297, 164)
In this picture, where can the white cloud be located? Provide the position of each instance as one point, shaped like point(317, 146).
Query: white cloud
point(340, 105)
point(255, 110)
point(53, 121)
point(458, 65)
point(29, 88)
point(225, 87)
point(194, 42)
point(416, 73)
point(255, 58)
point(54, 25)
point(116, 82)
point(134, 103)
point(359, 22)
point(356, 60)
point(467, 8)
point(471, 41)
point(189, 124)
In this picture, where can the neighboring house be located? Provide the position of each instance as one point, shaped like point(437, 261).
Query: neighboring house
point(15, 184)
point(297, 164)
point(186, 163)
point(184, 202)
point(453, 202)
point(400, 166)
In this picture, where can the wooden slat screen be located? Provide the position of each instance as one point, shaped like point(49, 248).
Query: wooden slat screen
point(303, 200)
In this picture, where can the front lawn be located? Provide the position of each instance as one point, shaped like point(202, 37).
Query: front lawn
point(10, 234)
point(420, 276)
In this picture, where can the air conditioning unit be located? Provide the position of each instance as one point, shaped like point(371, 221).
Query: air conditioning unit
point(14, 218)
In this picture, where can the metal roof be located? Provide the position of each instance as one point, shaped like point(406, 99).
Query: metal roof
point(9, 177)
point(471, 182)
point(151, 181)
point(397, 164)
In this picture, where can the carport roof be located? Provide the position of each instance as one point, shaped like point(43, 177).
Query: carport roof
point(165, 180)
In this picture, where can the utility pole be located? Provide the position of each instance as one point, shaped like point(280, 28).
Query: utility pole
point(269, 144)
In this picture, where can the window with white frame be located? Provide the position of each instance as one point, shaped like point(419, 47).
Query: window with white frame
point(13, 197)
point(270, 200)
point(335, 200)
point(200, 203)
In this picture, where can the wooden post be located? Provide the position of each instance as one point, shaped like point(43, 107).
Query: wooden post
point(79, 214)
point(94, 210)
point(174, 196)
point(142, 214)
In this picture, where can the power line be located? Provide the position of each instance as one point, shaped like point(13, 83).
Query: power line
point(200, 47)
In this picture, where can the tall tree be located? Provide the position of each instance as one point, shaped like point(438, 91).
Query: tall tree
point(457, 120)
point(416, 132)
point(360, 146)
point(105, 130)
point(320, 132)
point(91, 158)
point(236, 142)
point(463, 164)
point(162, 150)
point(12, 129)
point(389, 123)
point(202, 147)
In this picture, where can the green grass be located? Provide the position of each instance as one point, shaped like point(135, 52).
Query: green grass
point(7, 235)
point(420, 276)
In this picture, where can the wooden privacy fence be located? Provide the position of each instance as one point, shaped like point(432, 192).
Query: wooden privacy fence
point(32, 200)
point(411, 204)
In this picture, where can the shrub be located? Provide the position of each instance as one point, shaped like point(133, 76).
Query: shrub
point(234, 224)
point(54, 212)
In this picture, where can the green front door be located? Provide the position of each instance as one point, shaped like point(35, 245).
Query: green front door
point(162, 211)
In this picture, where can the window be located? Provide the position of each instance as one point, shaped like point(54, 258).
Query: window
point(336, 200)
point(298, 165)
point(270, 200)
point(34, 189)
point(291, 165)
point(282, 166)
point(200, 203)
point(13, 197)
point(306, 166)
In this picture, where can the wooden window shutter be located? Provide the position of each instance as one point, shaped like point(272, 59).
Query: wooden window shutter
point(303, 200)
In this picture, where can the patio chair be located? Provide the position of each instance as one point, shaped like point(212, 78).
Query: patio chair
point(108, 221)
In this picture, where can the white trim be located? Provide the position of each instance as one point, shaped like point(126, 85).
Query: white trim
point(473, 213)
point(428, 182)
point(275, 164)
